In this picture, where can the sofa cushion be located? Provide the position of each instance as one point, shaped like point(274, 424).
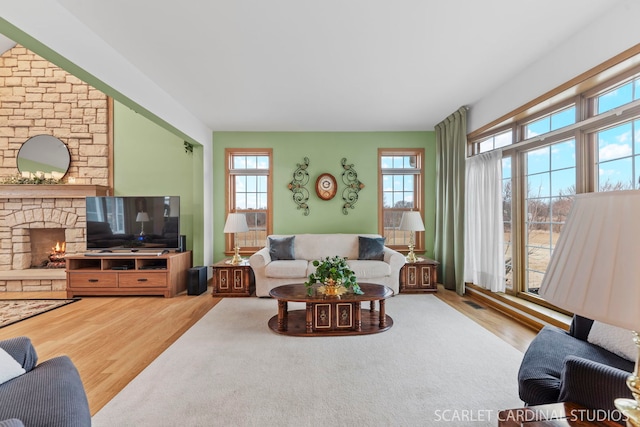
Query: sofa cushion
point(287, 269)
point(9, 367)
point(281, 248)
point(365, 269)
point(371, 248)
point(580, 327)
point(318, 246)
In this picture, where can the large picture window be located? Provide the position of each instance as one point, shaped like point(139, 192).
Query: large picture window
point(249, 192)
point(401, 177)
point(583, 138)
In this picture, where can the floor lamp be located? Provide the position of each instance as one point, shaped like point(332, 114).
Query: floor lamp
point(236, 223)
point(411, 221)
point(595, 270)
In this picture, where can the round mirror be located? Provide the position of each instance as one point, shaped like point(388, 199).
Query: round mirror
point(46, 154)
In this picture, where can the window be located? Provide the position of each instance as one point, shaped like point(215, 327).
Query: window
point(496, 141)
point(401, 177)
point(551, 183)
point(507, 212)
point(578, 140)
point(550, 122)
point(618, 157)
point(249, 192)
point(618, 96)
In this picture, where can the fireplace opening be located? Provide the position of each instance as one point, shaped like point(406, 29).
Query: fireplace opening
point(47, 248)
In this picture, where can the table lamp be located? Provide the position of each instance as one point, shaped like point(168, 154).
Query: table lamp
point(236, 223)
point(594, 270)
point(142, 217)
point(411, 221)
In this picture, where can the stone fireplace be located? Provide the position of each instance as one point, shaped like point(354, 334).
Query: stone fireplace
point(31, 224)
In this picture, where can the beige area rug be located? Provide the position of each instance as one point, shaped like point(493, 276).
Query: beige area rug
point(15, 310)
point(433, 367)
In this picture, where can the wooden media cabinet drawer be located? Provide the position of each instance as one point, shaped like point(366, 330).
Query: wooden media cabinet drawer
point(146, 280)
point(93, 280)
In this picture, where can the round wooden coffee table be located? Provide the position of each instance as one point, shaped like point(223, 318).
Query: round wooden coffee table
point(330, 316)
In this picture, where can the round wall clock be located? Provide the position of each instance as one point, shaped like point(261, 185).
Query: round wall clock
point(326, 186)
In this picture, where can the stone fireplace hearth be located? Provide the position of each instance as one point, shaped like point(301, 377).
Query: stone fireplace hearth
point(40, 209)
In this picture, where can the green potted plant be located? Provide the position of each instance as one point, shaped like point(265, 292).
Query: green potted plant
point(335, 276)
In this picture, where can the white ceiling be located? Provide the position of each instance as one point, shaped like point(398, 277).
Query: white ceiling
point(331, 65)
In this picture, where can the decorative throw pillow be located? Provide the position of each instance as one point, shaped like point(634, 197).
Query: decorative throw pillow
point(617, 340)
point(281, 248)
point(9, 367)
point(371, 248)
point(580, 327)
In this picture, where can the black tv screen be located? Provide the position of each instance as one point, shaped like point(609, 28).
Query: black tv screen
point(131, 222)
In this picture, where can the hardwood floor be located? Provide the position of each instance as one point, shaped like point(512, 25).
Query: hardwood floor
point(109, 339)
point(112, 339)
point(515, 333)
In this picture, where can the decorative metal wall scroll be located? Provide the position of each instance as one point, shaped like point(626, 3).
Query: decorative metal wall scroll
point(188, 147)
point(297, 186)
point(350, 194)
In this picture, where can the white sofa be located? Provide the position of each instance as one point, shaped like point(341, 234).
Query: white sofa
point(310, 247)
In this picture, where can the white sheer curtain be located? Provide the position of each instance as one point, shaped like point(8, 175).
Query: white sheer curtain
point(484, 230)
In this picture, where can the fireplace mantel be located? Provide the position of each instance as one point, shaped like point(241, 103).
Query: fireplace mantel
point(41, 191)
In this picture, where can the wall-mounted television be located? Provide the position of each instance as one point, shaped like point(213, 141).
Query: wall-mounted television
point(133, 223)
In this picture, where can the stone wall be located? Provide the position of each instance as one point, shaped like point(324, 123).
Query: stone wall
point(37, 97)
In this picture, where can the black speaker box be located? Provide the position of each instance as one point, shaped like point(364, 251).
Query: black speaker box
point(182, 243)
point(196, 280)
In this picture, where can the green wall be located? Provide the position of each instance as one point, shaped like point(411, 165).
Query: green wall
point(151, 161)
point(325, 151)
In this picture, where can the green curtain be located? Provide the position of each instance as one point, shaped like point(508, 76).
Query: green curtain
point(451, 146)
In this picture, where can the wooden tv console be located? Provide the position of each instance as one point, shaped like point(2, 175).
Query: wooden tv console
point(127, 274)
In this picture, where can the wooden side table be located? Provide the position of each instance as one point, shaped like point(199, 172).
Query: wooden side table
point(232, 280)
point(419, 276)
point(554, 414)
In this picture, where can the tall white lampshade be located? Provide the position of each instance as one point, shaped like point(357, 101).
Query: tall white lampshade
point(142, 217)
point(236, 223)
point(594, 270)
point(411, 221)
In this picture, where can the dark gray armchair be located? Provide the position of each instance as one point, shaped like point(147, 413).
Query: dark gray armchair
point(562, 366)
point(48, 394)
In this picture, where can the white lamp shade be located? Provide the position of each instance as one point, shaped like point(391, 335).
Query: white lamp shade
point(236, 223)
point(595, 266)
point(411, 221)
point(142, 217)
